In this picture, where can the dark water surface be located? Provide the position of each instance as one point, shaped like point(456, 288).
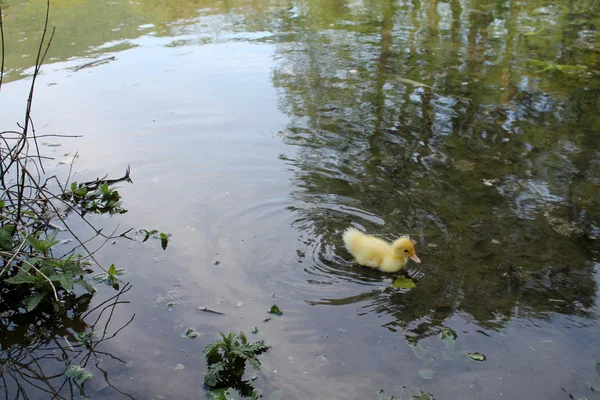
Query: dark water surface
point(257, 131)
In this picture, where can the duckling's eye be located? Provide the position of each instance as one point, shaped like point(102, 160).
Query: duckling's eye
point(406, 251)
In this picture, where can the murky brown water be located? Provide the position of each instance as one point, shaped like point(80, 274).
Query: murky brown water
point(258, 131)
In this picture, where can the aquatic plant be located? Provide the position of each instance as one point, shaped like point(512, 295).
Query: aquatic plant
point(36, 207)
point(227, 358)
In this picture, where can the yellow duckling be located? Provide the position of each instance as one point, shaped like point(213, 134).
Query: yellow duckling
point(373, 252)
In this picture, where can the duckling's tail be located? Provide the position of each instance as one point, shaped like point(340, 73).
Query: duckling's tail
point(352, 237)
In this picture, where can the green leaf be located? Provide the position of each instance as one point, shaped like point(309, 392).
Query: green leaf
point(426, 373)
point(476, 357)
point(403, 283)
point(78, 373)
point(275, 310)
point(22, 277)
point(219, 394)
point(190, 333)
point(101, 277)
point(419, 350)
point(34, 300)
point(424, 396)
point(43, 245)
point(213, 374)
point(211, 348)
point(112, 270)
point(255, 330)
point(66, 280)
point(164, 240)
point(6, 241)
point(448, 336)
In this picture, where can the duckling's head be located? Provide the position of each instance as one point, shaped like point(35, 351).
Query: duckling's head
point(404, 247)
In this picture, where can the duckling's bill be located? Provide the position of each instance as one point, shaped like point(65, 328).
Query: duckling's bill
point(415, 258)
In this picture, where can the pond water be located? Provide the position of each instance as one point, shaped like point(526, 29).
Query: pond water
point(258, 131)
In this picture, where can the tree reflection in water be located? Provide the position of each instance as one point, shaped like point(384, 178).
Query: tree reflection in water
point(48, 355)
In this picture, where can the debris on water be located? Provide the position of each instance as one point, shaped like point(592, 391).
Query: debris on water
point(190, 333)
point(69, 158)
point(562, 226)
point(414, 83)
point(179, 367)
point(426, 373)
point(172, 304)
point(50, 144)
point(266, 319)
point(489, 182)
point(255, 330)
point(353, 71)
point(476, 357)
point(243, 302)
point(495, 241)
point(403, 283)
point(208, 310)
point(217, 262)
point(275, 310)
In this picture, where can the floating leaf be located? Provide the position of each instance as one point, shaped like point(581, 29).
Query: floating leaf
point(78, 373)
point(426, 373)
point(424, 396)
point(255, 330)
point(448, 336)
point(476, 357)
point(275, 310)
point(403, 283)
point(419, 350)
point(69, 158)
point(219, 394)
point(598, 367)
point(164, 240)
point(190, 333)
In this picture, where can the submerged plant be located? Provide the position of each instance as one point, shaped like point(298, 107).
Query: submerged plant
point(227, 359)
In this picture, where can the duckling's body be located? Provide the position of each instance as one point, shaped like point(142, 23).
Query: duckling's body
point(373, 252)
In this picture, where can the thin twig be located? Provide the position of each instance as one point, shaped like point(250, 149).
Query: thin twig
point(2, 51)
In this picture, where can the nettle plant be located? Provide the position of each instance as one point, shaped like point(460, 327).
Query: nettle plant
point(227, 358)
point(38, 216)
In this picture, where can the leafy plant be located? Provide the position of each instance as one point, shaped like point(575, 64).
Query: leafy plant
point(96, 198)
point(275, 310)
point(227, 360)
point(110, 277)
point(163, 236)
